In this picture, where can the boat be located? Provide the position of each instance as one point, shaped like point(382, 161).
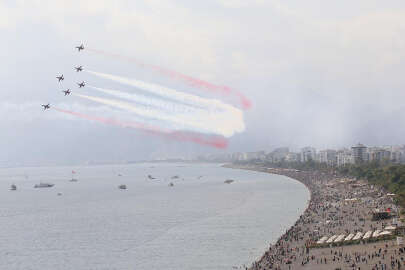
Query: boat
point(122, 187)
point(171, 185)
point(151, 177)
point(175, 177)
point(43, 185)
point(13, 187)
point(228, 181)
point(73, 179)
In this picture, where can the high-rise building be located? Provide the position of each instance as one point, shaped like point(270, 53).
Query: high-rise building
point(292, 157)
point(360, 154)
point(308, 153)
point(344, 157)
point(378, 154)
point(328, 156)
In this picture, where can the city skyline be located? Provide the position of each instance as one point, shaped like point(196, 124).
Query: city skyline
point(355, 154)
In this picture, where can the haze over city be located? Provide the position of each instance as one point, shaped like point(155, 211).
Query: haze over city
point(317, 73)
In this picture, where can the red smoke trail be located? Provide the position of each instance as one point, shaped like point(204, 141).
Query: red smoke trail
point(214, 141)
point(194, 82)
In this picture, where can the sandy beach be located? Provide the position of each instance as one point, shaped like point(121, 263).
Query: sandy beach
point(340, 209)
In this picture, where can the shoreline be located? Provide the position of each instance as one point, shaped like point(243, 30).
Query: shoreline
point(256, 169)
point(337, 206)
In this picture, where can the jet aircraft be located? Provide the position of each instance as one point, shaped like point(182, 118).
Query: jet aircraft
point(79, 68)
point(67, 92)
point(60, 78)
point(79, 48)
point(82, 84)
point(46, 106)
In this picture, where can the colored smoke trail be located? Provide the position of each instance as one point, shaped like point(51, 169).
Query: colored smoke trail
point(171, 94)
point(213, 141)
point(223, 118)
point(205, 123)
point(194, 82)
point(209, 114)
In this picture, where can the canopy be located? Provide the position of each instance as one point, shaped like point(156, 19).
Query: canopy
point(384, 233)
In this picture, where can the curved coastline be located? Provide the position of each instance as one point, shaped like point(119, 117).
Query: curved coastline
point(291, 174)
point(338, 207)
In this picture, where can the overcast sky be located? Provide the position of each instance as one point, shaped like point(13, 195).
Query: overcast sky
point(319, 73)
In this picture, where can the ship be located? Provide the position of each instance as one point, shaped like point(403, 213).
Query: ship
point(43, 185)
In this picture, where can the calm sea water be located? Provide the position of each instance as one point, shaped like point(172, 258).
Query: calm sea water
point(199, 223)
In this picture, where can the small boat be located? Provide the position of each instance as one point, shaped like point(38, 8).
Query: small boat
point(73, 179)
point(59, 193)
point(151, 177)
point(13, 187)
point(43, 185)
point(175, 177)
point(171, 185)
point(229, 181)
point(122, 187)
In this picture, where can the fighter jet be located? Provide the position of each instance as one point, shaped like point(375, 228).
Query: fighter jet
point(60, 78)
point(67, 92)
point(79, 68)
point(82, 84)
point(47, 106)
point(79, 48)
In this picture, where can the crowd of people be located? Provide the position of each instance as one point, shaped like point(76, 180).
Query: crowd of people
point(337, 206)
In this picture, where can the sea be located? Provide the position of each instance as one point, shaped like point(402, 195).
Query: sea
point(198, 222)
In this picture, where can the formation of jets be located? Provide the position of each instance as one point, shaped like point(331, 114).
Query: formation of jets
point(61, 78)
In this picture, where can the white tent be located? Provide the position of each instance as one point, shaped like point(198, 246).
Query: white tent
point(349, 237)
point(384, 233)
point(367, 235)
point(331, 239)
point(376, 233)
point(358, 236)
point(322, 240)
point(339, 238)
point(390, 228)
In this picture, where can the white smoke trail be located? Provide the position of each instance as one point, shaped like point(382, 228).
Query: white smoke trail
point(209, 104)
point(225, 116)
point(168, 106)
point(205, 123)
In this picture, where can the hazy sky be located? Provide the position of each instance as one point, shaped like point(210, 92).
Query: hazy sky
point(320, 73)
